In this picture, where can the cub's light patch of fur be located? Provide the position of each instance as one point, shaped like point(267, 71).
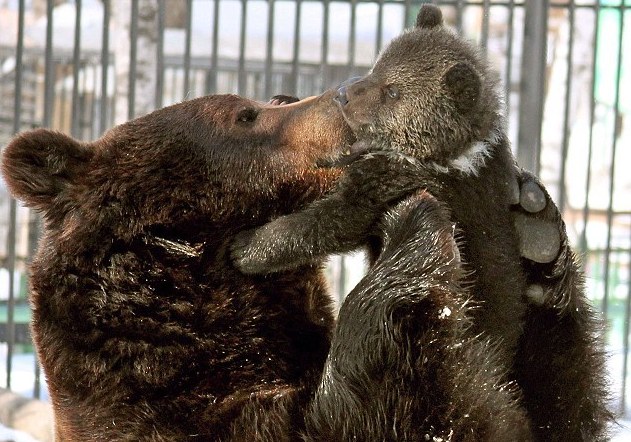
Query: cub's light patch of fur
point(396, 156)
point(444, 313)
point(474, 158)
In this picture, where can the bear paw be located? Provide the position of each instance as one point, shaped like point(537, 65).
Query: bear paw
point(243, 257)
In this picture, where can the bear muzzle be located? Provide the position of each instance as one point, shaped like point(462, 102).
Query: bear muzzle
point(360, 99)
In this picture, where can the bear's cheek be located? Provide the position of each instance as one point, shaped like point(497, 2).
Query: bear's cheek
point(305, 147)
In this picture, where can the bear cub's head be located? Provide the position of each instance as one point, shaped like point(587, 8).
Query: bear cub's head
point(430, 94)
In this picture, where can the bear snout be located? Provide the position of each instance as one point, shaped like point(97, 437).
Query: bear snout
point(360, 100)
point(342, 92)
point(342, 97)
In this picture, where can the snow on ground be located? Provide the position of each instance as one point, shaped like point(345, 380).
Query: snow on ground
point(9, 435)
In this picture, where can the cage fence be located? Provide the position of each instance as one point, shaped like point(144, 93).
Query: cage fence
point(83, 66)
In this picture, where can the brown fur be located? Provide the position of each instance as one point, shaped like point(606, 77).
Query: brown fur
point(431, 108)
point(144, 329)
point(448, 100)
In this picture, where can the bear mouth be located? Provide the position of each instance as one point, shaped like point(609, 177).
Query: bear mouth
point(348, 155)
point(360, 123)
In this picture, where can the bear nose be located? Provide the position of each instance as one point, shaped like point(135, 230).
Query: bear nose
point(341, 97)
point(342, 91)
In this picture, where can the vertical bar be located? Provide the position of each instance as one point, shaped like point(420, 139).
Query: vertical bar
point(174, 76)
point(379, 37)
point(484, 35)
point(625, 346)
point(19, 68)
point(592, 116)
point(37, 382)
point(33, 235)
point(133, 55)
point(215, 57)
point(459, 12)
point(296, 50)
point(625, 365)
point(93, 122)
point(76, 68)
point(11, 234)
point(241, 80)
point(48, 67)
point(325, 44)
point(509, 55)
point(187, 49)
point(612, 168)
point(406, 14)
point(105, 64)
point(46, 122)
point(566, 111)
point(85, 104)
point(269, 50)
point(352, 37)
point(63, 111)
point(160, 56)
point(532, 84)
point(11, 258)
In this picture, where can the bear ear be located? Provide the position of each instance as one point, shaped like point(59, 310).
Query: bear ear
point(464, 84)
point(429, 16)
point(39, 166)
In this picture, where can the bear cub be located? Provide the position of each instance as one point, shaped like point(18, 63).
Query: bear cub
point(432, 98)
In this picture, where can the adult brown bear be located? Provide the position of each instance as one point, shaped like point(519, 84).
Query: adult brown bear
point(144, 328)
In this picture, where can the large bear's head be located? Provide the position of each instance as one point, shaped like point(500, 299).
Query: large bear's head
point(218, 161)
point(429, 94)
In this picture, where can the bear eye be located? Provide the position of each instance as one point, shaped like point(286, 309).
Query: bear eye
point(393, 92)
point(247, 115)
